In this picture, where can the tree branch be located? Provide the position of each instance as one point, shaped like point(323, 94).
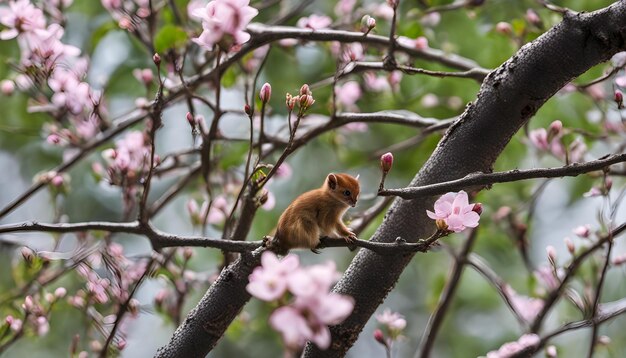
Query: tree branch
point(482, 179)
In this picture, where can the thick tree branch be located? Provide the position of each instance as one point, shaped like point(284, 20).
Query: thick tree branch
point(508, 98)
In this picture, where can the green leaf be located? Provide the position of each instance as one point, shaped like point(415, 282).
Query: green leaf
point(101, 32)
point(169, 37)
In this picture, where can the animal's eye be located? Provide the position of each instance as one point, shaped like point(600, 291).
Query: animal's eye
point(346, 192)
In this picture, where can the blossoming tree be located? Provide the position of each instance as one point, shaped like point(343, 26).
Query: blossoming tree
point(148, 151)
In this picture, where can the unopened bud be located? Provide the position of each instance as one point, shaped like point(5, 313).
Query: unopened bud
point(551, 352)
point(187, 253)
point(60, 292)
point(533, 18)
point(570, 245)
point(619, 99)
point(379, 336)
point(265, 93)
point(555, 128)
point(121, 344)
point(190, 119)
point(133, 306)
point(608, 183)
point(157, 59)
point(27, 254)
point(367, 23)
point(306, 101)
point(604, 340)
point(304, 90)
point(582, 231)
point(504, 28)
point(386, 162)
point(7, 87)
point(478, 208)
point(247, 109)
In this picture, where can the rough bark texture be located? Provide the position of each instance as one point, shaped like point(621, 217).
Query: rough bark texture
point(206, 323)
point(509, 96)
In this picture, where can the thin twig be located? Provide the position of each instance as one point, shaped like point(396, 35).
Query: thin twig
point(485, 179)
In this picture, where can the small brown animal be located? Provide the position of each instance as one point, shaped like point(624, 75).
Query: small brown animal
point(317, 213)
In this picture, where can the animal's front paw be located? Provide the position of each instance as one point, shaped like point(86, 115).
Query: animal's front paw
point(351, 238)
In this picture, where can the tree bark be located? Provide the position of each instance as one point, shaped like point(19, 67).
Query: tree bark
point(508, 98)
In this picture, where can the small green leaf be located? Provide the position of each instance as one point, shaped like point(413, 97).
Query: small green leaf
point(169, 37)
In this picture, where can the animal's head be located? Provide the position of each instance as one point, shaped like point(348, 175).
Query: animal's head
point(343, 187)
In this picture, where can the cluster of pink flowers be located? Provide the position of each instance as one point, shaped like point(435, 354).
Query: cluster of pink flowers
point(128, 13)
point(527, 307)
point(551, 140)
point(454, 210)
point(215, 215)
point(510, 349)
point(312, 309)
point(44, 55)
point(35, 313)
point(129, 160)
point(223, 22)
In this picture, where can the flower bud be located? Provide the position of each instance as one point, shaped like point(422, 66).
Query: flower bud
point(478, 208)
point(133, 306)
point(60, 292)
point(304, 90)
point(367, 23)
point(306, 101)
point(266, 92)
point(386, 161)
point(551, 352)
point(555, 128)
point(619, 260)
point(7, 87)
point(247, 109)
point(533, 18)
point(504, 28)
point(264, 196)
point(27, 254)
point(157, 59)
point(582, 231)
point(604, 340)
point(187, 253)
point(619, 99)
point(608, 183)
point(121, 344)
point(379, 336)
point(190, 119)
point(570, 245)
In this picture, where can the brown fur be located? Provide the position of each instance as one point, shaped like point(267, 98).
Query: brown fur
point(317, 213)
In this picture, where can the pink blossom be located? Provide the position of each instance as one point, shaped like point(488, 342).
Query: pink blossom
point(539, 138)
point(429, 100)
point(270, 202)
point(144, 76)
point(21, 16)
point(112, 4)
point(594, 191)
point(314, 22)
point(504, 28)
point(384, 11)
point(421, 43)
point(577, 150)
point(294, 328)
point(224, 17)
point(582, 231)
point(7, 87)
point(620, 81)
point(344, 7)
point(376, 83)
point(42, 326)
point(348, 94)
point(284, 171)
point(431, 19)
point(596, 91)
point(510, 349)
point(314, 280)
point(14, 323)
point(392, 320)
point(353, 52)
point(355, 127)
point(527, 307)
point(455, 210)
point(269, 281)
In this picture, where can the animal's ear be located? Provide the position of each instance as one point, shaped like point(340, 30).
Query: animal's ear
point(332, 181)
